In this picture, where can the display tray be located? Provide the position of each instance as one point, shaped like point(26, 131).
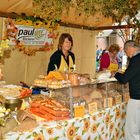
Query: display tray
point(93, 81)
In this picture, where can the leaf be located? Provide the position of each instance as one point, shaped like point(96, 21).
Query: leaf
point(111, 116)
point(83, 132)
point(73, 123)
point(28, 137)
point(56, 138)
point(17, 138)
point(95, 138)
point(77, 128)
point(35, 134)
point(66, 123)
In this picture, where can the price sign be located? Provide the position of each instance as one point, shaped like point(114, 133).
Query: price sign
point(79, 111)
point(118, 99)
point(92, 107)
point(110, 102)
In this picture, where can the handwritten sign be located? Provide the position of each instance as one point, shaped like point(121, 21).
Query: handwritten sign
point(92, 107)
point(110, 102)
point(79, 111)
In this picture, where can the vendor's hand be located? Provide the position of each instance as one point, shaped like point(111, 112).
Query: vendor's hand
point(113, 73)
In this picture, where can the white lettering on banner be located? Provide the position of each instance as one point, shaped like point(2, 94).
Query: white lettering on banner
point(32, 36)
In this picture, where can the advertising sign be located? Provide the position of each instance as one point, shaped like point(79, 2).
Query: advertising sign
point(28, 35)
point(32, 36)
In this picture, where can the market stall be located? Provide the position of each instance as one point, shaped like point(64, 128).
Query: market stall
point(76, 111)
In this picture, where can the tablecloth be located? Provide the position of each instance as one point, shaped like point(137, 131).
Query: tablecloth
point(107, 124)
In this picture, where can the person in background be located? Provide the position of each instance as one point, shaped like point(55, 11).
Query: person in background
point(120, 55)
point(98, 54)
point(108, 60)
point(132, 75)
point(63, 59)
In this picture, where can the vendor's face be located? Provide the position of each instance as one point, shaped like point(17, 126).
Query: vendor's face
point(66, 45)
point(114, 54)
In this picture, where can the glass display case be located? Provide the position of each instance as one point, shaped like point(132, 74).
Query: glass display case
point(90, 98)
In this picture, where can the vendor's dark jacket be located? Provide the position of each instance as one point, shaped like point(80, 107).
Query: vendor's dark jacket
point(132, 75)
point(56, 59)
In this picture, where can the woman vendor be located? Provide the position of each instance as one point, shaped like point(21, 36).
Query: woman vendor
point(109, 59)
point(62, 59)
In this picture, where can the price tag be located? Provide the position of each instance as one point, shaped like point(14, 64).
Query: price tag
point(92, 107)
point(110, 102)
point(118, 99)
point(79, 111)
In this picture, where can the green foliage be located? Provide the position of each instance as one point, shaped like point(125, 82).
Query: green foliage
point(116, 9)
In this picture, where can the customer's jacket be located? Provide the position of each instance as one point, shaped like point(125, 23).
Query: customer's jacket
point(132, 75)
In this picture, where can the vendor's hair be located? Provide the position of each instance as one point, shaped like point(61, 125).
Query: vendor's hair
point(113, 48)
point(131, 43)
point(62, 39)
